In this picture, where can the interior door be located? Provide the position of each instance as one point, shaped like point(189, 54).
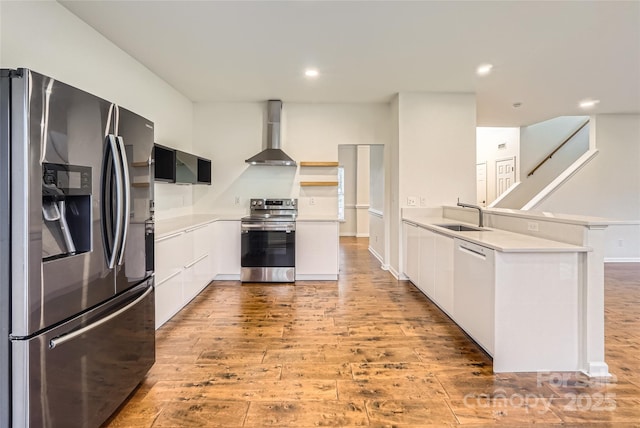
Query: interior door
point(481, 184)
point(505, 175)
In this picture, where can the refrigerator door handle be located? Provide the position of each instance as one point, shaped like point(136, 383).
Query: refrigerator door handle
point(126, 194)
point(117, 168)
point(61, 340)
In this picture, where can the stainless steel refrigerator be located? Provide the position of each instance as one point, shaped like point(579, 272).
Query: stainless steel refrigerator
point(76, 253)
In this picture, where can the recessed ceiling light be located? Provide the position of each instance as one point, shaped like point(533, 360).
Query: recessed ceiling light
point(588, 103)
point(311, 72)
point(484, 69)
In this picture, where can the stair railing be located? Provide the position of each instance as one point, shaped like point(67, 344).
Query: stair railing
point(557, 148)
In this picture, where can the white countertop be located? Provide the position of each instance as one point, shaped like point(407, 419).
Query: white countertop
point(314, 217)
point(168, 226)
point(581, 220)
point(500, 240)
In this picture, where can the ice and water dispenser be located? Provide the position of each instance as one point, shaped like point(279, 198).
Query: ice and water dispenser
point(66, 210)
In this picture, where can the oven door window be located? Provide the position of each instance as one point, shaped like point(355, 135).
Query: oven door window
point(262, 248)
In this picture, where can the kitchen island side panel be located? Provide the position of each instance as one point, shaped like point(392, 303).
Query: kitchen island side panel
point(537, 312)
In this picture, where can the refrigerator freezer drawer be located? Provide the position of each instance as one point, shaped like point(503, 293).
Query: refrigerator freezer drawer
point(77, 374)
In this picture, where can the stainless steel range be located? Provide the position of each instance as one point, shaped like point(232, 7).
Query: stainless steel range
point(269, 241)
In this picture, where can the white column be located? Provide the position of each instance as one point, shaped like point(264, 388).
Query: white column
point(362, 191)
point(592, 317)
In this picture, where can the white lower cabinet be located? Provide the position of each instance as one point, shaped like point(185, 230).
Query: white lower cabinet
point(523, 308)
point(198, 269)
point(444, 272)
point(184, 267)
point(168, 295)
point(317, 250)
point(196, 277)
point(427, 263)
point(411, 235)
point(170, 254)
point(227, 253)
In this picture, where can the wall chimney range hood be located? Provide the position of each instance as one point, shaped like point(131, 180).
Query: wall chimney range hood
point(272, 155)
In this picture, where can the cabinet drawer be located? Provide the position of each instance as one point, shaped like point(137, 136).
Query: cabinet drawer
point(202, 237)
point(170, 256)
point(197, 276)
point(168, 298)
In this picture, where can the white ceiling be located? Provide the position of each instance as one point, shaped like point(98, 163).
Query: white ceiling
point(546, 55)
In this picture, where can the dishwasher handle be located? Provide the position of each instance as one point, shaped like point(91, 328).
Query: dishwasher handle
point(474, 250)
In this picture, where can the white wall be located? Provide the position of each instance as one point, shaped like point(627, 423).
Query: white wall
point(377, 232)
point(437, 148)
point(347, 156)
point(488, 141)
point(47, 38)
point(376, 178)
point(436, 154)
point(229, 133)
point(392, 213)
point(609, 186)
point(537, 142)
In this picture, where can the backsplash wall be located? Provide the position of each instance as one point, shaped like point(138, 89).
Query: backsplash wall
point(229, 133)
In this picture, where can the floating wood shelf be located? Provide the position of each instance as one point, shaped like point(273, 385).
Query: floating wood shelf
point(137, 164)
point(319, 164)
point(140, 184)
point(318, 183)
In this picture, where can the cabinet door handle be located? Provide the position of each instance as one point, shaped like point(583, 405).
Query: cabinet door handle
point(196, 261)
point(176, 273)
point(473, 252)
point(173, 235)
point(196, 228)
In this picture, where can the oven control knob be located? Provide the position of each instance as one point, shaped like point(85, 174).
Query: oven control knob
point(288, 202)
point(259, 202)
point(293, 202)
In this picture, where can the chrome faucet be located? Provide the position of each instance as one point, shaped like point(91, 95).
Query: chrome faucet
point(480, 213)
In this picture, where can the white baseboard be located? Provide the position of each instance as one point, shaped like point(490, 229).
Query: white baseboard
point(622, 260)
point(227, 277)
point(397, 275)
point(377, 256)
point(597, 369)
point(348, 234)
point(362, 235)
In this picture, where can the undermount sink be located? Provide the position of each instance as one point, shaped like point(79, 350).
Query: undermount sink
point(461, 227)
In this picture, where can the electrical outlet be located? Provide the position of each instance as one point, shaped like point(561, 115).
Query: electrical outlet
point(312, 201)
point(620, 243)
point(237, 200)
point(412, 201)
point(423, 201)
point(532, 226)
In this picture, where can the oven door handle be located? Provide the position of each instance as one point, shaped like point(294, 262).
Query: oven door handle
point(246, 228)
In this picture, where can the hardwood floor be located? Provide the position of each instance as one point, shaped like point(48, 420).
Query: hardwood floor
point(366, 350)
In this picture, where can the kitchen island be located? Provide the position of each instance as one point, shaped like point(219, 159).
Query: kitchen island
point(527, 300)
